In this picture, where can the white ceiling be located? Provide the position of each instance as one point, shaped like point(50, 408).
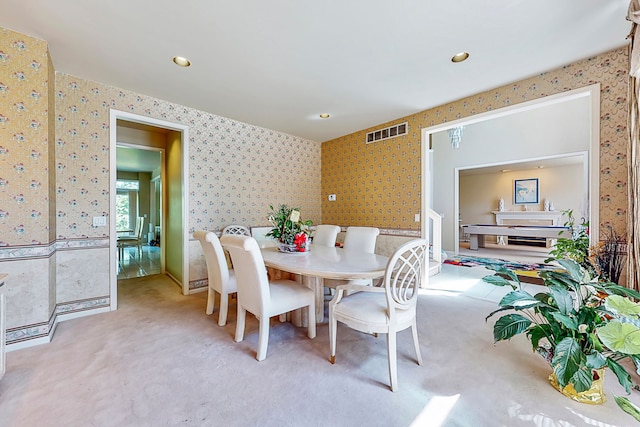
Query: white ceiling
point(279, 64)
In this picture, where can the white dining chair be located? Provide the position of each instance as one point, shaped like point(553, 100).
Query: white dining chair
point(325, 235)
point(134, 239)
point(221, 279)
point(236, 229)
point(361, 239)
point(388, 309)
point(261, 297)
point(357, 239)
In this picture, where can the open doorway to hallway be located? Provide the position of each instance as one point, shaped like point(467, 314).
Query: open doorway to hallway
point(138, 210)
point(172, 139)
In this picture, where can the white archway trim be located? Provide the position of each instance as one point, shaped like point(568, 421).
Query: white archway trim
point(592, 91)
point(114, 116)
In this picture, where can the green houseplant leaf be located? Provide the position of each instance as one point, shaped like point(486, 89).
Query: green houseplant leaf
point(622, 306)
point(573, 268)
point(498, 281)
point(623, 376)
point(508, 326)
point(518, 300)
point(627, 406)
point(622, 337)
point(567, 360)
point(562, 298)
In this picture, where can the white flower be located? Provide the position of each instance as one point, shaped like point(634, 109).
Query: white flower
point(295, 216)
point(582, 328)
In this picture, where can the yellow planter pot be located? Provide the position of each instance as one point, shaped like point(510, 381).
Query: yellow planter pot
point(593, 396)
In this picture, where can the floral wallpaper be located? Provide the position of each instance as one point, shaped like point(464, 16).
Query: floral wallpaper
point(24, 140)
point(235, 169)
point(379, 184)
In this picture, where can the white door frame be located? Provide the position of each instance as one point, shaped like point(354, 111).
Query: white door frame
point(592, 91)
point(114, 116)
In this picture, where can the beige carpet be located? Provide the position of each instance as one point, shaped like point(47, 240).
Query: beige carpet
point(160, 361)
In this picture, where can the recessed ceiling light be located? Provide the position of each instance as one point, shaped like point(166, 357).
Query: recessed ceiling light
point(181, 61)
point(324, 116)
point(459, 57)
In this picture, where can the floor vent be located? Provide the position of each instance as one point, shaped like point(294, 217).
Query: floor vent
point(386, 133)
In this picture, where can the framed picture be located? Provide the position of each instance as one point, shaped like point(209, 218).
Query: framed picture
point(525, 191)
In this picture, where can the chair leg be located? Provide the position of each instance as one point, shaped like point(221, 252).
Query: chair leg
point(393, 365)
point(211, 299)
point(416, 344)
point(263, 338)
point(242, 314)
point(224, 308)
point(333, 330)
point(311, 327)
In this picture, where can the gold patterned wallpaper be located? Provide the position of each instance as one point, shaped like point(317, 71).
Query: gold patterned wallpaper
point(235, 169)
point(24, 139)
point(379, 184)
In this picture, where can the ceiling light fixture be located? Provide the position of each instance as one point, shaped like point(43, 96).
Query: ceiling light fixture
point(455, 135)
point(459, 57)
point(325, 116)
point(181, 61)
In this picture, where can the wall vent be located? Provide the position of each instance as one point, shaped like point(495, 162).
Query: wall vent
point(386, 133)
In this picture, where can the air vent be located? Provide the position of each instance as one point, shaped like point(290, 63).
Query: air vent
point(386, 133)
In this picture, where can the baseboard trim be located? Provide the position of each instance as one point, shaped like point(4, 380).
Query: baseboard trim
point(42, 333)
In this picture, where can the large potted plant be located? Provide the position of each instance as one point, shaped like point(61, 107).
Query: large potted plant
point(579, 324)
point(289, 230)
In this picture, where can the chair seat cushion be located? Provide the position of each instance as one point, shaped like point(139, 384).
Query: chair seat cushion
point(369, 308)
point(287, 295)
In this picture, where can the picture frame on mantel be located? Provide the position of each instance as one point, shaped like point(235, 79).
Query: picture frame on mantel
point(525, 191)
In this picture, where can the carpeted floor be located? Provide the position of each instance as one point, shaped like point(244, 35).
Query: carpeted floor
point(160, 361)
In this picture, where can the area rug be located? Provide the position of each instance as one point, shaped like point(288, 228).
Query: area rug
point(526, 272)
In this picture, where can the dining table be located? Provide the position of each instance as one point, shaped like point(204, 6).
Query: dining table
point(323, 262)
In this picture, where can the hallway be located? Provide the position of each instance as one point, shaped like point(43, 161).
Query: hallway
point(131, 265)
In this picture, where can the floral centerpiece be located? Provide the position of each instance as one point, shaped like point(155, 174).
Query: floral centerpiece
point(289, 230)
point(579, 324)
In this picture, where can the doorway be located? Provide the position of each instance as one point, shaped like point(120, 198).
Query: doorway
point(141, 134)
point(442, 161)
point(138, 202)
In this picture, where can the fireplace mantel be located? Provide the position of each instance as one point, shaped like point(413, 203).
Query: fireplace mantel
point(553, 216)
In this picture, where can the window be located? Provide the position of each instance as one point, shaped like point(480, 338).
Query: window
point(126, 204)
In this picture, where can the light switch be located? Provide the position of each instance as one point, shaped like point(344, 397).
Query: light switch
point(416, 218)
point(332, 197)
point(99, 221)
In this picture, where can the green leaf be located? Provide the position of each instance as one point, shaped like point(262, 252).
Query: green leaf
point(497, 311)
point(518, 300)
point(508, 326)
point(537, 332)
point(597, 345)
point(573, 268)
point(568, 322)
point(596, 360)
point(627, 406)
point(615, 289)
point(562, 280)
point(498, 281)
point(582, 379)
point(622, 337)
point(505, 272)
point(623, 376)
point(567, 360)
point(563, 299)
point(622, 306)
